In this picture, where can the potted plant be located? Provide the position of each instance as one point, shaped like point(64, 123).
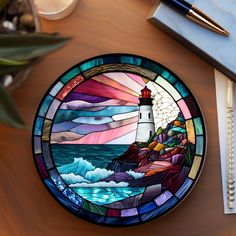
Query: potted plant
point(21, 46)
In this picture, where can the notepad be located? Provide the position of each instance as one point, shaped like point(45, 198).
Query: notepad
point(221, 95)
point(218, 50)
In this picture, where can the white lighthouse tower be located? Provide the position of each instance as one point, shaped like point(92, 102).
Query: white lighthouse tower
point(146, 126)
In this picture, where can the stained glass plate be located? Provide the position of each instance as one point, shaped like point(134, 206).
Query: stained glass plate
point(119, 140)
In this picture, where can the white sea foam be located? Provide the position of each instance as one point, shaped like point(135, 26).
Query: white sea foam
point(135, 174)
point(73, 179)
point(98, 174)
point(100, 184)
point(82, 171)
point(76, 105)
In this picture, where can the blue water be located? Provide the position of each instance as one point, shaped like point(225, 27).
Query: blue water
point(83, 168)
point(103, 196)
point(99, 155)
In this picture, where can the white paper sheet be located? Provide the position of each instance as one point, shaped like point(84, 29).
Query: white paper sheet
point(221, 93)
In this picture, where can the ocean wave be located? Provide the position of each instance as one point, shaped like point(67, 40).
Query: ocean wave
point(82, 171)
point(78, 167)
point(100, 184)
point(73, 179)
point(98, 174)
point(135, 174)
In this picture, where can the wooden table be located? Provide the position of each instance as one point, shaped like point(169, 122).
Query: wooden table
point(98, 27)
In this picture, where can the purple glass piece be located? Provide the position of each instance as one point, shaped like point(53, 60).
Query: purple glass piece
point(64, 126)
point(41, 166)
point(84, 97)
point(86, 129)
point(129, 212)
point(163, 198)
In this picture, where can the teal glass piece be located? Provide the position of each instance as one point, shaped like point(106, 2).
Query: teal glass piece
point(153, 67)
point(198, 126)
point(131, 60)
point(199, 145)
point(159, 70)
point(169, 77)
point(70, 75)
point(90, 64)
point(181, 89)
point(67, 115)
point(179, 130)
point(38, 126)
point(46, 103)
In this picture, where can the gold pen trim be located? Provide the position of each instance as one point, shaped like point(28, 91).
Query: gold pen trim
point(201, 18)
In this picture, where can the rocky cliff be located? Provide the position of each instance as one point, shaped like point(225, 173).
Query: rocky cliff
point(164, 160)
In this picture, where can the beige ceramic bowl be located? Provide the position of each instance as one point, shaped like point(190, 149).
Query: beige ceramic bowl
point(55, 9)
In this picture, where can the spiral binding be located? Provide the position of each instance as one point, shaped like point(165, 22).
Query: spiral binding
point(230, 151)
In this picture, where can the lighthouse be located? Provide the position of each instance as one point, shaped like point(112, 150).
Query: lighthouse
point(146, 126)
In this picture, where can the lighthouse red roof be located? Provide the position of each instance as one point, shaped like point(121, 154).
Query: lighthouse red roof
point(146, 93)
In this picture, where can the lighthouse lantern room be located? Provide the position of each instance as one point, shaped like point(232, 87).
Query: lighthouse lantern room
point(146, 126)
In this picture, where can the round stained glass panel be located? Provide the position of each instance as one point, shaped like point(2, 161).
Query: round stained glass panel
point(119, 140)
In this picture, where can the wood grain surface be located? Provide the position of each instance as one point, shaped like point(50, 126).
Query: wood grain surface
point(98, 27)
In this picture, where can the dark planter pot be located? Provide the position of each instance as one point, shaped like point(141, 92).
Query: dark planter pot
point(22, 75)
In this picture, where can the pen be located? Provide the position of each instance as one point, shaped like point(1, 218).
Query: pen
point(230, 151)
point(196, 15)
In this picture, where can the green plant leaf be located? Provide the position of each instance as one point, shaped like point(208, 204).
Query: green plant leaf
point(26, 47)
point(7, 62)
point(11, 69)
point(9, 114)
point(9, 66)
